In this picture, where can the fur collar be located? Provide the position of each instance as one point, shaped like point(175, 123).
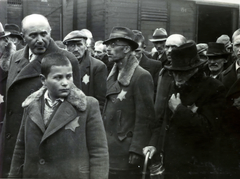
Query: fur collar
point(76, 98)
point(126, 73)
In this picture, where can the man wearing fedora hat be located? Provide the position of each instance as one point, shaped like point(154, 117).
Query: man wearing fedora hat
point(93, 71)
point(158, 39)
point(15, 36)
point(217, 57)
point(193, 114)
point(23, 79)
point(128, 112)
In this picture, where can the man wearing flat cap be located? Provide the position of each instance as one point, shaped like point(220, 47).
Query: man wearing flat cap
point(158, 39)
point(128, 112)
point(193, 115)
point(217, 58)
point(15, 36)
point(93, 71)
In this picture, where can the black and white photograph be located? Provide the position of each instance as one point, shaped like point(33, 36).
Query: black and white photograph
point(120, 89)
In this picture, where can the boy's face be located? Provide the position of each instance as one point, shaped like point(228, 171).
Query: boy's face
point(58, 81)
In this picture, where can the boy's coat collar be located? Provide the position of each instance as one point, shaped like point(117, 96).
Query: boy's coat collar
point(76, 98)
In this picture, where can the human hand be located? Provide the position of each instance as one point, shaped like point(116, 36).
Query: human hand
point(174, 101)
point(151, 149)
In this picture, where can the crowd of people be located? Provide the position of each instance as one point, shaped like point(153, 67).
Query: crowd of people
point(76, 108)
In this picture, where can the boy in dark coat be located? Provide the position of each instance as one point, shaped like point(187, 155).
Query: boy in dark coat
point(62, 133)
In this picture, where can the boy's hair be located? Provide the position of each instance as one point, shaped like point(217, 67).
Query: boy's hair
point(53, 59)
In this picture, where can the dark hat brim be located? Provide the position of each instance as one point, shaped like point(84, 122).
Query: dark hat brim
point(218, 54)
point(132, 43)
point(200, 62)
point(17, 35)
point(5, 34)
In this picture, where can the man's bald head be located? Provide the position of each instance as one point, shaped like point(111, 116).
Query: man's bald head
point(173, 41)
point(36, 33)
point(34, 20)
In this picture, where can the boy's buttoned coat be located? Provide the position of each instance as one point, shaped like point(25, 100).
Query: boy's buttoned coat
point(74, 145)
point(128, 113)
point(23, 79)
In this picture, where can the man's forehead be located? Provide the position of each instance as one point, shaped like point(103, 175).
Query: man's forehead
point(37, 27)
point(236, 40)
point(98, 47)
point(174, 42)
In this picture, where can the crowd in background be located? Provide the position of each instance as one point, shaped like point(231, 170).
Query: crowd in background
point(178, 104)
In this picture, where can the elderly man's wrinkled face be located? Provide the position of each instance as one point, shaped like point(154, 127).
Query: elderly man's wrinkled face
point(99, 51)
point(181, 77)
point(37, 35)
point(115, 50)
point(78, 48)
point(236, 46)
point(160, 46)
point(215, 64)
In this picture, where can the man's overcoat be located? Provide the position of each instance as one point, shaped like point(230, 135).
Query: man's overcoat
point(74, 144)
point(192, 134)
point(94, 78)
point(23, 79)
point(128, 113)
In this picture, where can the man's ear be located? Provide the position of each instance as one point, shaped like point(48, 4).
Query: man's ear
point(43, 79)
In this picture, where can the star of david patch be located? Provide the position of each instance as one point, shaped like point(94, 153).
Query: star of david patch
point(1, 99)
point(86, 79)
point(236, 102)
point(73, 125)
point(121, 96)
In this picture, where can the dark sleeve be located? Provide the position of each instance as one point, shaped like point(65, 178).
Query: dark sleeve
point(100, 86)
point(19, 152)
point(96, 142)
point(144, 109)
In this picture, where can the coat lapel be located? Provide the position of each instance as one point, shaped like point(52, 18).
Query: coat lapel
point(35, 115)
point(113, 86)
point(64, 114)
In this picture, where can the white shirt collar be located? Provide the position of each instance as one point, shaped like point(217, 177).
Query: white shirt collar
point(50, 102)
point(237, 66)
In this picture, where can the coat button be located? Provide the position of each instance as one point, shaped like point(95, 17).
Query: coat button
point(42, 161)
point(167, 127)
point(8, 135)
point(10, 112)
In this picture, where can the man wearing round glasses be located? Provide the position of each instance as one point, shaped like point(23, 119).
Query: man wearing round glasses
point(128, 112)
point(93, 71)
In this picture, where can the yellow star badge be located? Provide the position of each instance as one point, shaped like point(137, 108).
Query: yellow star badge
point(1, 99)
point(121, 96)
point(73, 125)
point(86, 79)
